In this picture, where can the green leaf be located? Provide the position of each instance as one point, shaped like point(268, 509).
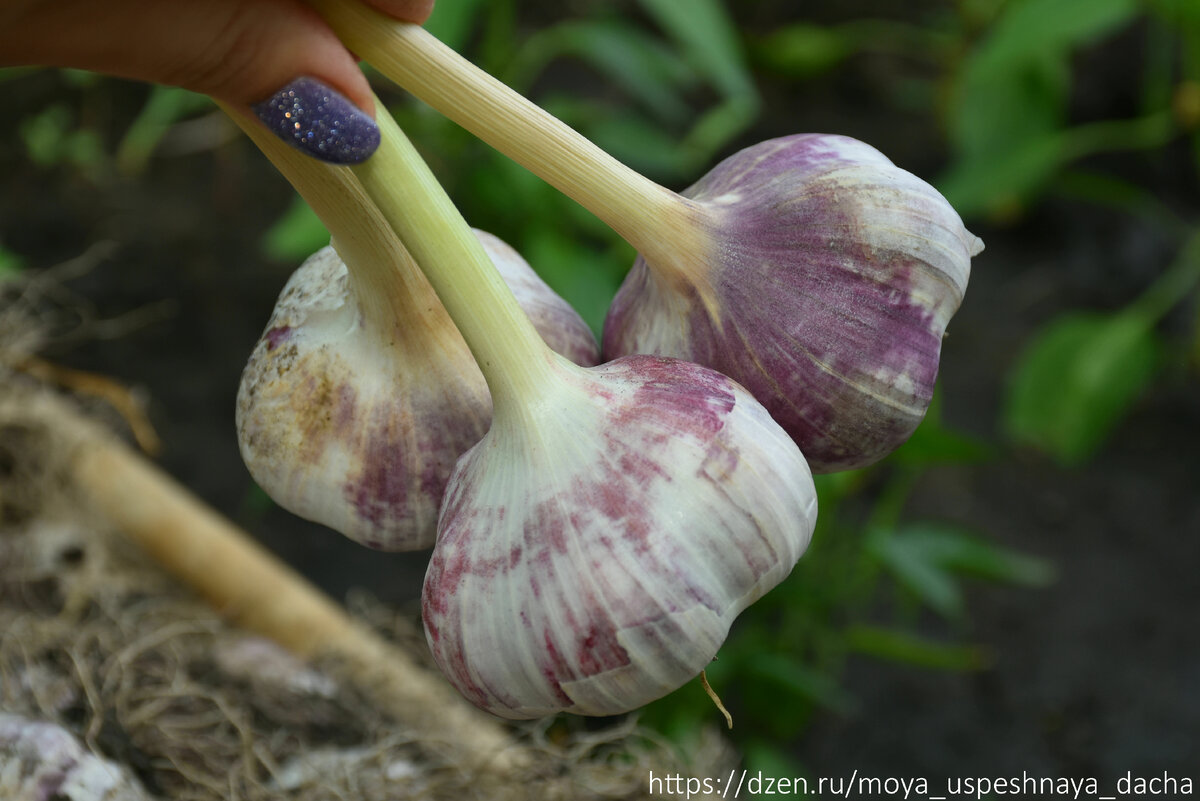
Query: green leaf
point(585, 279)
point(926, 558)
point(640, 64)
point(787, 675)
point(912, 649)
point(1010, 96)
point(803, 50)
point(710, 39)
point(998, 113)
point(166, 106)
point(452, 22)
point(296, 235)
point(959, 550)
point(934, 444)
point(11, 264)
point(918, 570)
point(1076, 380)
point(1030, 28)
point(45, 134)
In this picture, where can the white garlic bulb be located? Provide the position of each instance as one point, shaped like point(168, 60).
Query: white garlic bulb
point(41, 761)
point(591, 556)
point(359, 397)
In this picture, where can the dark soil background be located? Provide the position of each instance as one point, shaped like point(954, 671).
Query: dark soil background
point(1096, 675)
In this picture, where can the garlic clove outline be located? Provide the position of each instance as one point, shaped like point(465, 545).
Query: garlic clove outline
point(830, 307)
point(595, 562)
point(355, 419)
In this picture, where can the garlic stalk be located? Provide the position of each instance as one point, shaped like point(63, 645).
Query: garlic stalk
point(594, 548)
point(809, 268)
point(361, 394)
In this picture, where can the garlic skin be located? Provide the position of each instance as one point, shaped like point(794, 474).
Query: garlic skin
point(593, 552)
point(41, 760)
point(353, 417)
point(823, 278)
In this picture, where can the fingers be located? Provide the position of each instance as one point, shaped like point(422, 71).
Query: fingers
point(408, 10)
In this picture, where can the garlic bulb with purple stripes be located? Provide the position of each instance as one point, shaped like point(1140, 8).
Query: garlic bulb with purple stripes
point(593, 560)
point(361, 394)
point(819, 275)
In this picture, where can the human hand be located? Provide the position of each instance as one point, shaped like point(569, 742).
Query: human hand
point(276, 56)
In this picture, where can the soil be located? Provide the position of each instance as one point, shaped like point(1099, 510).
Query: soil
point(1094, 676)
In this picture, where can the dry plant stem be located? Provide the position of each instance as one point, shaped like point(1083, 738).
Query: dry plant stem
point(716, 699)
point(257, 591)
point(650, 217)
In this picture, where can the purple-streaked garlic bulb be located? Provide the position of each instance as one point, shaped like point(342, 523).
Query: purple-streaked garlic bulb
point(592, 560)
point(830, 278)
point(359, 398)
point(809, 268)
point(595, 546)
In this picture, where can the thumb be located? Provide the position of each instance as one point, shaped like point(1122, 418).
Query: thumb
point(239, 51)
point(242, 52)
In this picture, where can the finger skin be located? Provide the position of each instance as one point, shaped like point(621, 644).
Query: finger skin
point(238, 51)
point(408, 10)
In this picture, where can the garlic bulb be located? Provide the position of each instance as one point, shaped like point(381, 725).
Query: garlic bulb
point(353, 407)
point(808, 268)
point(832, 277)
point(593, 559)
point(41, 760)
point(595, 546)
point(361, 393)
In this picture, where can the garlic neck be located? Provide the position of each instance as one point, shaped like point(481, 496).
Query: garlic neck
point(510, 353)
point(394, 299)
point(638, 209)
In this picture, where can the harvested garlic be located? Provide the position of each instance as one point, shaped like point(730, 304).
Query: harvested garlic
point(593, 560)
point(809, 268)
point(833, 276)
point(356, 423)
point(594, 548)
point(40, 760)
point(361, 394)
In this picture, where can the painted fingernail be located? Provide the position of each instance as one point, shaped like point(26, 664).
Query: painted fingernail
point(319, 121)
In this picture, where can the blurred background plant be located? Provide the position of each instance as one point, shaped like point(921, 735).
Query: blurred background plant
point(998, 105)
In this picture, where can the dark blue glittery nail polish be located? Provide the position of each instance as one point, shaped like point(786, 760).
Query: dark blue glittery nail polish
point(319, 121)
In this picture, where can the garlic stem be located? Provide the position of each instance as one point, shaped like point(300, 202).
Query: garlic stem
point(638, 209)
point(387, 283)
point(512, 356)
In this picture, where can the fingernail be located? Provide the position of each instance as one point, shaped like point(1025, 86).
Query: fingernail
point(319, 121)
